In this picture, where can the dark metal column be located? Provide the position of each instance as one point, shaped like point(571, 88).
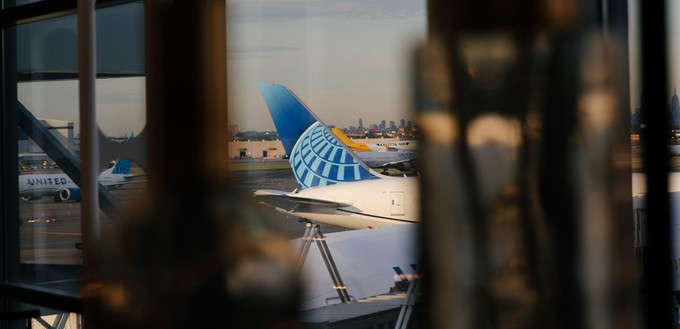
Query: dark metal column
point(656, 290)
point(9, 242)
point(187, 95)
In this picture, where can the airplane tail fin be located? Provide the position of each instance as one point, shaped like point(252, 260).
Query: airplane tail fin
point(291, 117)
point(121, 167)
point(356, 147)
point(317, 156)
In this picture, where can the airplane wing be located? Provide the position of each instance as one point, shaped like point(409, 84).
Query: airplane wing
point(290, 202)
point(366, 261)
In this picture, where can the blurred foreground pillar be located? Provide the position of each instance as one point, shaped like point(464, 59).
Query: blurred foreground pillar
point(196, 253)
point(524, 113)
point(656, 257)
point(187, 94)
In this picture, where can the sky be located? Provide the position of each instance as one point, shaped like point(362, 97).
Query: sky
point(121, 109)
point(673, 13)
point(51, 46)
point(346, 59)
point(673, 35)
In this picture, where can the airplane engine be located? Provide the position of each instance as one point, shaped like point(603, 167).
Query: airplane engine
point(67, 194)
point(404, 166)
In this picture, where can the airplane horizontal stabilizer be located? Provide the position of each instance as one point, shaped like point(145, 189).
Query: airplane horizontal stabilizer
point(290, 202)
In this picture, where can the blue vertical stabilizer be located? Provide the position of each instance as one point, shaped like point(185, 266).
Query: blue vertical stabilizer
point(122, 167)
point(291, 117)
point(317, 156)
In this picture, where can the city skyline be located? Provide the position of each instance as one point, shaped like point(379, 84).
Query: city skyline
point(384, 125)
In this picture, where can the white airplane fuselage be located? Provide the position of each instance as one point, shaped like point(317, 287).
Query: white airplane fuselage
point(36, 186)
point(408, 145)
point(372, 203)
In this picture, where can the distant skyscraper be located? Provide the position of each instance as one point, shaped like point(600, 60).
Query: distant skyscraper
point(675, 109)
point(402, 123)
point(382, 125)
point(393, 127)
point(361, 124)
point(233, 130)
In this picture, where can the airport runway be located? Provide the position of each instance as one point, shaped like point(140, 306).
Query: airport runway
point(50, 230)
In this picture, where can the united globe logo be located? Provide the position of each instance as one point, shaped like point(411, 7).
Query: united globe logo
point(319, 159)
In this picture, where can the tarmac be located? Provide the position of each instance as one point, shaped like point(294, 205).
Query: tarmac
point(50, 231)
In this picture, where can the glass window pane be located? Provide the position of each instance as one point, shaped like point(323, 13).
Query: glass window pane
point(348, 62)
point(16, 3)
point(47, 90)
point(49, 230)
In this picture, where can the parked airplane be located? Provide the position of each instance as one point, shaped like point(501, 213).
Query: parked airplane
point(408, 145)
point(388, 158)
point(62, 188)
point(335, 187)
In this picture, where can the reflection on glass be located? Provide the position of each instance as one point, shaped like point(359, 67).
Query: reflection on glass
point(673, 35)
point(639, 123)
point(49, 199)
point(47, 92)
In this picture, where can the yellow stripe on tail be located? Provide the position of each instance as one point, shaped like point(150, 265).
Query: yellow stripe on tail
point(352, 145)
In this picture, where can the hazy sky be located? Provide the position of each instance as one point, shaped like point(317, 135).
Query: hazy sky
point(120, 103)
point(673, 35)
point(345, 59)
point(51, 46)
point(674, 44)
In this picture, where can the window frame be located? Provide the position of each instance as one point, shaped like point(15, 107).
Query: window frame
point(12, 117)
